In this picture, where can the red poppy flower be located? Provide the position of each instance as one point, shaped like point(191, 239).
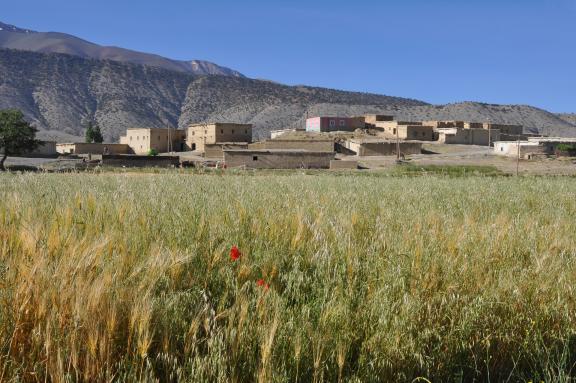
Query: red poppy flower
point(262, 283)
point(235, 254)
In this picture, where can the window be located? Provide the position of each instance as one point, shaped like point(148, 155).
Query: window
point(232, 131)
point(138, 138)
point(131, 138)
point(193, 132)
point(423, 134)
point(332, 123)
point(221, 131)
point(254, 158)
point(394, 131)
point(246, 131)
point(342, 123)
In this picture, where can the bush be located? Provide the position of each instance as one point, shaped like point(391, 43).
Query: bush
point(566, 148)
point(152, 152)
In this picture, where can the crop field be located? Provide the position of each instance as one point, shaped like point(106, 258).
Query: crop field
point(287, 277)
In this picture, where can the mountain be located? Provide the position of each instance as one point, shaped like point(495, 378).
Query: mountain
point(568, 117)
point(12, 37)
point(59, 93)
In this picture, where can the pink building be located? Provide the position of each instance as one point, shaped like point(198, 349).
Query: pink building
point(331, 124)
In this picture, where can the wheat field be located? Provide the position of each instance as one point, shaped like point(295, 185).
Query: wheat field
point(131, 277)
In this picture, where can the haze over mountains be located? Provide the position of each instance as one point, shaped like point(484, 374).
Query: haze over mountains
point(60, 82)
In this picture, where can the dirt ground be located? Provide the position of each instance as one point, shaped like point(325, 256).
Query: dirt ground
point(455, 155)
point(437, 154)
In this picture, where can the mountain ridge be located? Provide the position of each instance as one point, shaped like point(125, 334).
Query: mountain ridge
point(59, 93)
point(12, 37)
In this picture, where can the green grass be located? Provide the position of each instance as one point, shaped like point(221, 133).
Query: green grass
point(127, 277)
point(447, 170)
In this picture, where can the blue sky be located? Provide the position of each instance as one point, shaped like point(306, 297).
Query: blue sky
point(507, 51)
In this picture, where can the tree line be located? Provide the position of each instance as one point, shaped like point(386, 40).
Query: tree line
point(18, 136)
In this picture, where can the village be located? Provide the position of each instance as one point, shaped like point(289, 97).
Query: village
point(324, 143)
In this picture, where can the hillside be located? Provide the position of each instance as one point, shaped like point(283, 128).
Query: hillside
point(569, 117)
point(12, 37)
point(60, 92)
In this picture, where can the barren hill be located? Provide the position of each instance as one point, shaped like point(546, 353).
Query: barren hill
point(60, 93)
point(569, 117)
point(12, 37)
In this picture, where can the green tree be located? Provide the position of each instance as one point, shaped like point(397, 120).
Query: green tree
point(17, 136)
point(97, 137)
point(89, 135)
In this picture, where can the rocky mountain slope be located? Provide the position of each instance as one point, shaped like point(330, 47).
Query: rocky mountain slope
point(569, 117)
point(59, 93)
point(12, 37)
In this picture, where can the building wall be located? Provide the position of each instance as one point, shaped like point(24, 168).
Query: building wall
point(372, 119)
point(200, 134)
point(407, 132)
point(93, 148)
point(310, 145)
point(510, 149)
point(504, 128)
point(254, 159)
point(333, 124)
point(140, 161)
point(444, 124)
point(141, 141)
point(339, 164)
point(366, 149)
point(217, 150)
point(468, 136)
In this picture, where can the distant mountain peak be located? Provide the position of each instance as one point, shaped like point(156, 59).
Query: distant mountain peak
point(12, 28)
point(12, 37)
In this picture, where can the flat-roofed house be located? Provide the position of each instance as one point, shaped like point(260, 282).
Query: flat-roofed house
point(199, 135)
point(406, 130)
point(444, 124)
point(162, 140)
point(372, 119)
point(334, 124)
point(467, 136)
point(505, 128)
point(365, 147)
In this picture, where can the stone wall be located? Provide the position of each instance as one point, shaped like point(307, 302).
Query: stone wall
point(140, 161)
point(217, 150)
point(310, 145)
point(93, 148)
point(271, 159)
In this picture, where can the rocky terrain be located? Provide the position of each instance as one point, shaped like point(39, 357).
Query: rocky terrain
point(569, 117)
point(12, 37)
point(59, 93)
